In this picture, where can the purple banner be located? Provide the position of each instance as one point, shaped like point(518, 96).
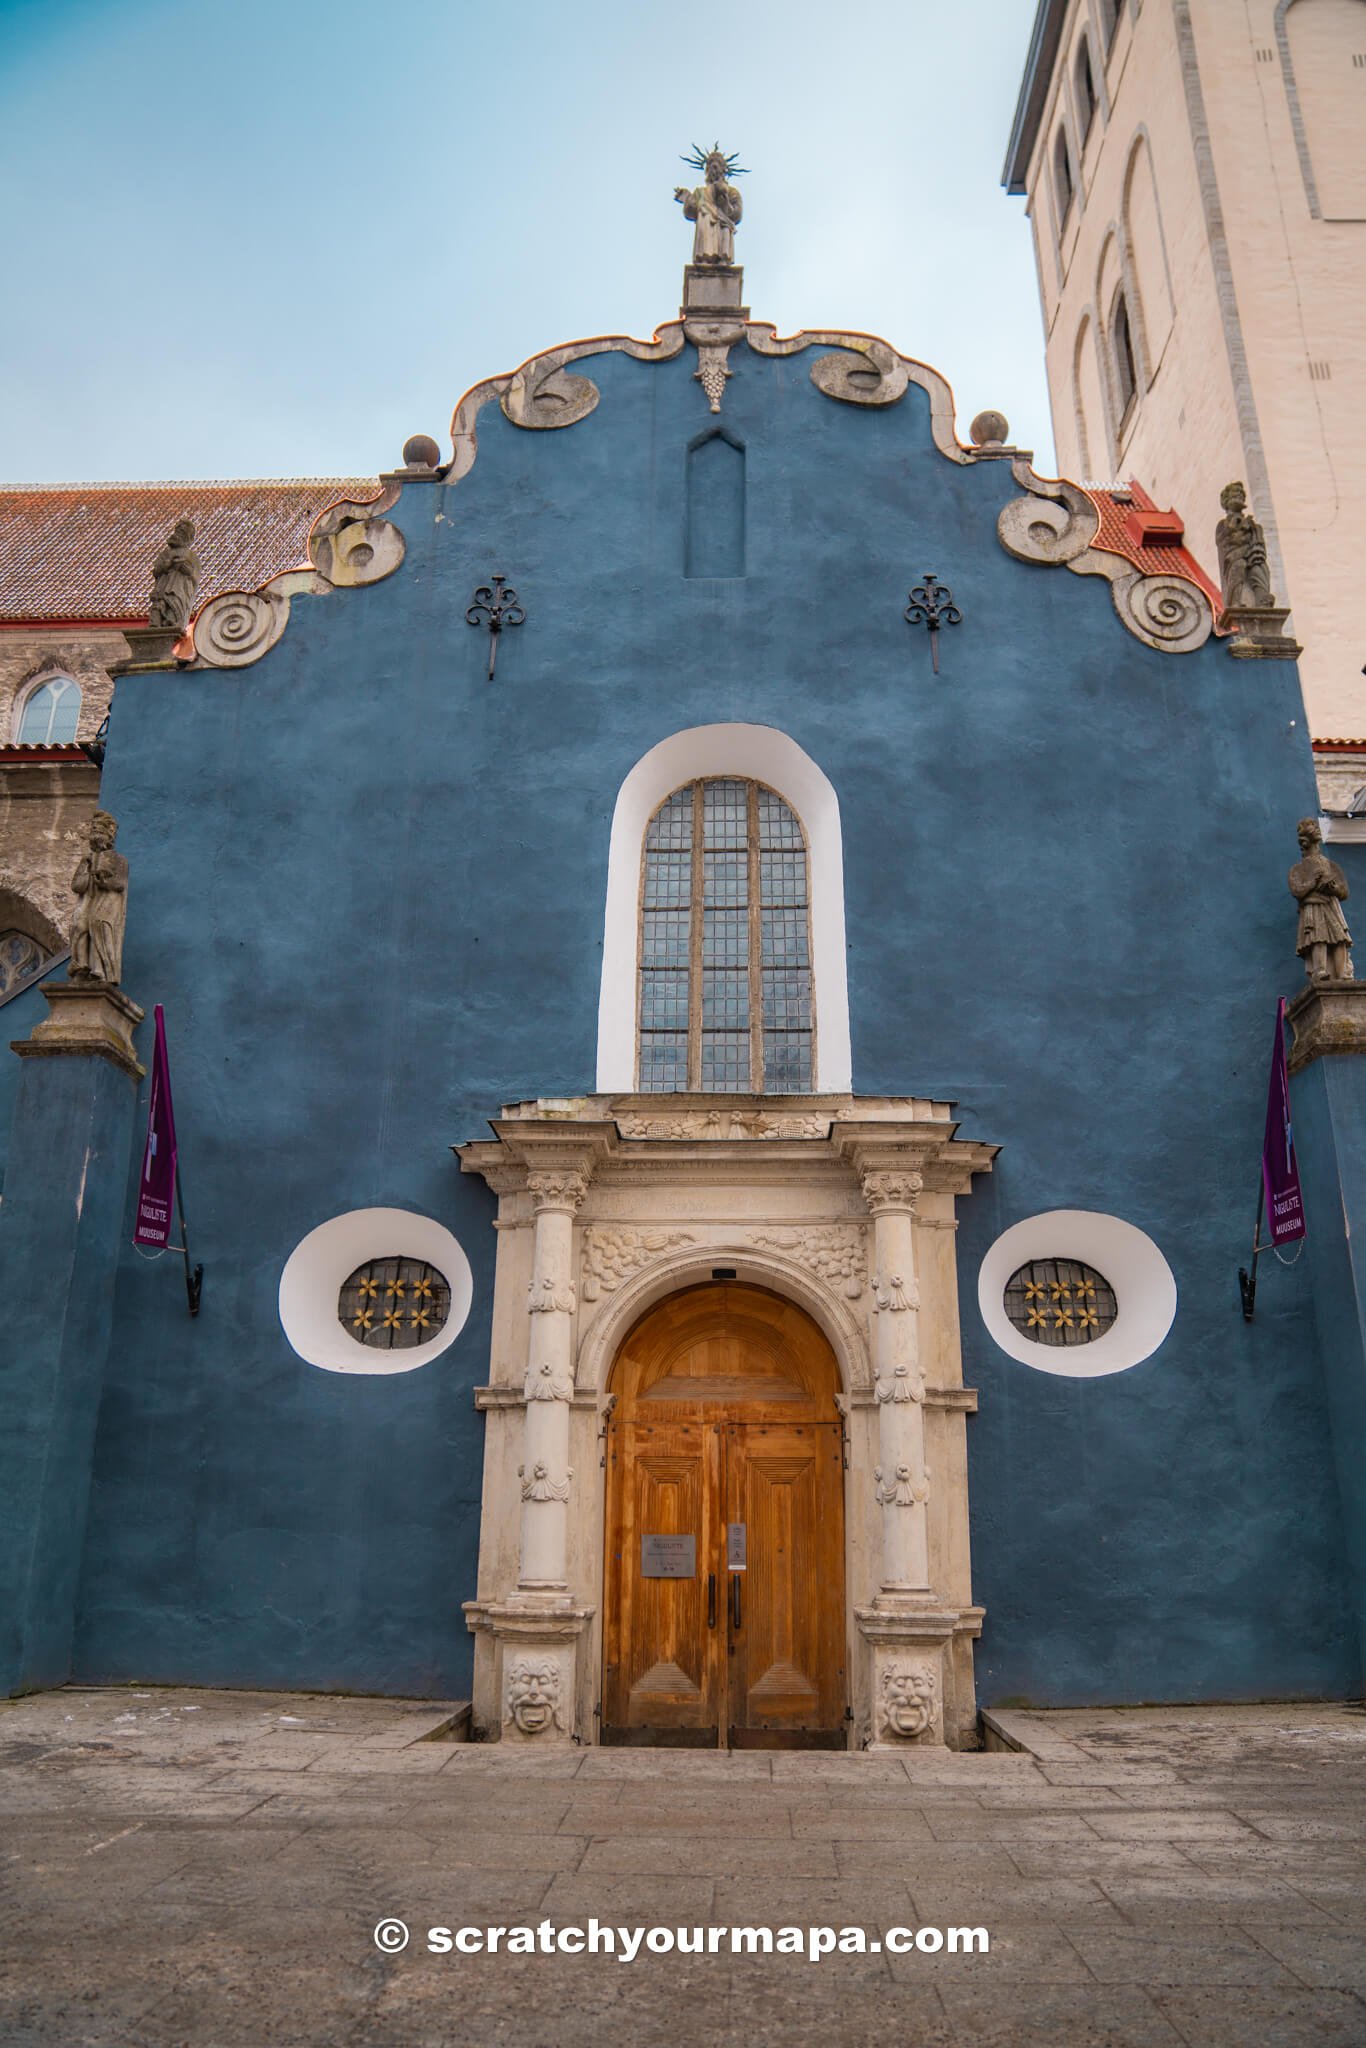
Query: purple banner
point(156, 1192)
point(1280, 1174)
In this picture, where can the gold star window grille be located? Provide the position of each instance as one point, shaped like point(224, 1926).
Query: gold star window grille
point(393, 1304)
point(1060, 1301)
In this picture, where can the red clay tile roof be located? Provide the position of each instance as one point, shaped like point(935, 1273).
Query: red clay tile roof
point(85, 551)
point(1153, 543)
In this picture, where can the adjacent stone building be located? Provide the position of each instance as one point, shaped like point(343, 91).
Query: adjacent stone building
point(75, 570)
point(1196, 186)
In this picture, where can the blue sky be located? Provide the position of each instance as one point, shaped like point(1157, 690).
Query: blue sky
point(254, 240)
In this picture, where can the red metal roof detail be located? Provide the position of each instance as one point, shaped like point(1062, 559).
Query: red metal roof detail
point(1132, 526)
point(85, 551)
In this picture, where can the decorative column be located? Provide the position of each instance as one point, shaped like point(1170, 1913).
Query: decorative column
point(907, 1630)
point(544, 1472)
point(901, 1478)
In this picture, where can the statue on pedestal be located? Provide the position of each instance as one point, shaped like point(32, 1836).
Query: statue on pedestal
point(1320, 888)
point(1244, 575)
point(100, 884)
point(175, 579)
point(715, 206)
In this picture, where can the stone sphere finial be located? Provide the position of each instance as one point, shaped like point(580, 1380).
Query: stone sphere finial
point(421, 452)
point(989, 429)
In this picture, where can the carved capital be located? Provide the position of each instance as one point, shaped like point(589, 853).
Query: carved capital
point(557, 1187)
point(888, 1190)
point(540, 1486)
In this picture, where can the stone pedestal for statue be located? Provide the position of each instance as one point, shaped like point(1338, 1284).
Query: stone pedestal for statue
point(1259, 633)
point(1328, 1106)
point(714, 290)
point(713, 321)
point(62, 1222)
point(149, 647)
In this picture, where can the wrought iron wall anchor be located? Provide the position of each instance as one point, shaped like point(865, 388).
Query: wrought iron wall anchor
point(932, 605)
point(499, 605)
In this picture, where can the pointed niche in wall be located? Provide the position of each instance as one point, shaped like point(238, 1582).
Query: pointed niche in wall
point(715, 541)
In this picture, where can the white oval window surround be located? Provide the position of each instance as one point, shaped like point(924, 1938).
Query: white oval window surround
point(329, 1256)
point(1143, 1284)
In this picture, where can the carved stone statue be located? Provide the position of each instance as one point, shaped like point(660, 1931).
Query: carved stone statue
point(1320, 888)
point(175, 578)
point(101, 888)
point(907, 1701)
point(1241, 544)
point(534, 1694)
point(715, 206)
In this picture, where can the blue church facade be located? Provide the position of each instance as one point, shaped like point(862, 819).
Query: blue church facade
point(373, 890)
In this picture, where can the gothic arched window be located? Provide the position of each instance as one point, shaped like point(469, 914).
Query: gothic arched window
point(1126, 377)
point(50, 714)
point(1062, 174)
point(1086, 90)
point(725, 945)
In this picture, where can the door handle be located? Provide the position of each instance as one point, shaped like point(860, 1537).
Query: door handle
point(711, 1599)
point(735, 1600)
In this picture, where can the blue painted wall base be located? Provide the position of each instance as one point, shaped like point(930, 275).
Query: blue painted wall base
point(61, 1223)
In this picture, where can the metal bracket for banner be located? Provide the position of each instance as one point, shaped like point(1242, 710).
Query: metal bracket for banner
point(194, 1276)
point(1247, 1282)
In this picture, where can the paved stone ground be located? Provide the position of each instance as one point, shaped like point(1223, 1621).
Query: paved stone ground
point(206, 1868)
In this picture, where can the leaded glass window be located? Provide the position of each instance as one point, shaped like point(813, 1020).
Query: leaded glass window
point(20, 960)
point(1060, 1301)
point(725, 944)
point(51, 714)
point(394, 1304)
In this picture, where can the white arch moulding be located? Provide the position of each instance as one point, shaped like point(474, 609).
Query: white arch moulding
point(760, 753)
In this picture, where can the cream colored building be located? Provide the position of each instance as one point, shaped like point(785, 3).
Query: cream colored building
point(1196, 181)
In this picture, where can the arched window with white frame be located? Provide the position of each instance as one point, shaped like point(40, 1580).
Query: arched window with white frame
point(50, 713)
point(725, 998)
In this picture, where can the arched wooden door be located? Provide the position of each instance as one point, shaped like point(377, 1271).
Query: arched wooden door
point(724, 1593)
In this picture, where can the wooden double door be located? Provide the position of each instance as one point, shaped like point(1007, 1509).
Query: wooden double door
point(724, 1622)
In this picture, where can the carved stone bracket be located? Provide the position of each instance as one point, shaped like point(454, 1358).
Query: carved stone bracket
point(1055, 525)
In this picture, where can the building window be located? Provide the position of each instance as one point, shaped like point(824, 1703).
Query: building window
point(1060, 1301)
point(393, 1304)
point(1126, 378)
point(20, 959)
point(1086, 90)
point(725, 944)
point(1062, 173)
point(50, 714)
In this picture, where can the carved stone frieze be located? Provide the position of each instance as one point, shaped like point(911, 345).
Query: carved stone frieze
point(610, 1255)
point(724, 1124)
point(540, 1486)
point(902, 1490)
point(837, 1255)
point(237, 628)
